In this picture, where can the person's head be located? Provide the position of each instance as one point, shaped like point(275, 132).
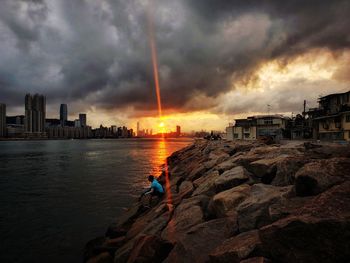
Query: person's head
point(151, 178)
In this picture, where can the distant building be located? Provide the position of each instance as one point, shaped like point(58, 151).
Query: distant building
point(256, 127)
point(53, 123)
point(2, 120)
point(35, 112)
point(16, 120)
point(114, 129)
point(178, 130)
point(59, 132)
point(138, 129)
point(82, 119)
point(77, 123)
point(63, 114)
point(332, 118)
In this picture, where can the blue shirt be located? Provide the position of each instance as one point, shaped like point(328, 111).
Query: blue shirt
point(157, 186)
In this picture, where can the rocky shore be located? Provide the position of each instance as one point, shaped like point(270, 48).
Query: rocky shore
point(240, 202)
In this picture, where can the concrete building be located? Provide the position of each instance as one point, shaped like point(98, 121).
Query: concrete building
point(82, 119)
point(256, 127)
point(332, 121)
point(35, 113)
point(63, 114)
point(2, 120)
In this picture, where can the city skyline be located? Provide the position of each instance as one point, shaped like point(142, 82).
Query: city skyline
point(96, 57)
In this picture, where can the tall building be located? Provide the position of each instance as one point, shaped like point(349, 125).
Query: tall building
point(82, 119)
point(138, 129)
point(77, 123)
point(63, 114)
point(35, 113)
point(2, 120)
point(178, 130)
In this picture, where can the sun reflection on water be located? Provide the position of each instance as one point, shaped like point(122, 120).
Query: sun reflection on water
point(163, 154)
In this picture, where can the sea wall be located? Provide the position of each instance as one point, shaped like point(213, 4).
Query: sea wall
point(240, 202)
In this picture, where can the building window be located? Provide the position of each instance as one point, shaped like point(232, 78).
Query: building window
point(268, 122)
point(246, 129)
point(325, 125)
point(246, 135)
point(235, 135)
point(347, 118)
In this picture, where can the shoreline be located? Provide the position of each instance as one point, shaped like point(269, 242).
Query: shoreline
point(83, 139)
point(254, 202)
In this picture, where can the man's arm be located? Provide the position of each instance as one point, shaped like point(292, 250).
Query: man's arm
point(149, 191)
point(146, 192)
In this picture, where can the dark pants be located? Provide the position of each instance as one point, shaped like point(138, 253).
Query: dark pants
point(156, 193)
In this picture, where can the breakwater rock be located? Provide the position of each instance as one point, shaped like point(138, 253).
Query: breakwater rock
point(240, 202)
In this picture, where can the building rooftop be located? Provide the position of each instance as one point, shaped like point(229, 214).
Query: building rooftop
point(334, 94)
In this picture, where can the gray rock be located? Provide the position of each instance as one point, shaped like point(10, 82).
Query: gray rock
point(197, 242)
point(235, 249)
point(286, 170)
point(265, 168)
point(253, 212)
point(231, 178)
point(206, 184)
point(226, 202)
point(186, 188)
point(188, 214)
point(317, 176)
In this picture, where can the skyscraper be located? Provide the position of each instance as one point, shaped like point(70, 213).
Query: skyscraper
point(178, 130)
point(82, 118)
point(63, 114)
point(35, 113)
point(2, 120)
point(138, 129)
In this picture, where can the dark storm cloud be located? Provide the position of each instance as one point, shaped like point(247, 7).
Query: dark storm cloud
point(97, 52)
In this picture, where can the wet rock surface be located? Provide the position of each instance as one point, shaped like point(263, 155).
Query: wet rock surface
point(243, 202)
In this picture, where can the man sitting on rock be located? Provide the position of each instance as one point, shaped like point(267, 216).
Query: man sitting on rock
point(156, 189)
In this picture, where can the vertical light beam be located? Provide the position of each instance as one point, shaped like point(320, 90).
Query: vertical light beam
point(152, 43)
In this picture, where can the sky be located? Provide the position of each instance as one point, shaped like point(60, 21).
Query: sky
point(217, 59)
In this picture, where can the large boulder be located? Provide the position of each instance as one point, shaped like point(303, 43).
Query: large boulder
point(327, 151)
point(149, 249)
point(237, 248)
point(317, 232)
point(286, 207)
point(226, 202)
point(317, 176)
point(185, 189)
point(231, 178)
point(188, 214)
point(224, 166)
point(219, 156)
point(140, 228)
point(197, 172)
point(206, 184)
point(159, 214)
point(197, 242)
point(286, 170)
point(266, 169)
point(253, 212)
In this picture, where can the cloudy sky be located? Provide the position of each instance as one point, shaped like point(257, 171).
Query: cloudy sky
point(217, 59)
